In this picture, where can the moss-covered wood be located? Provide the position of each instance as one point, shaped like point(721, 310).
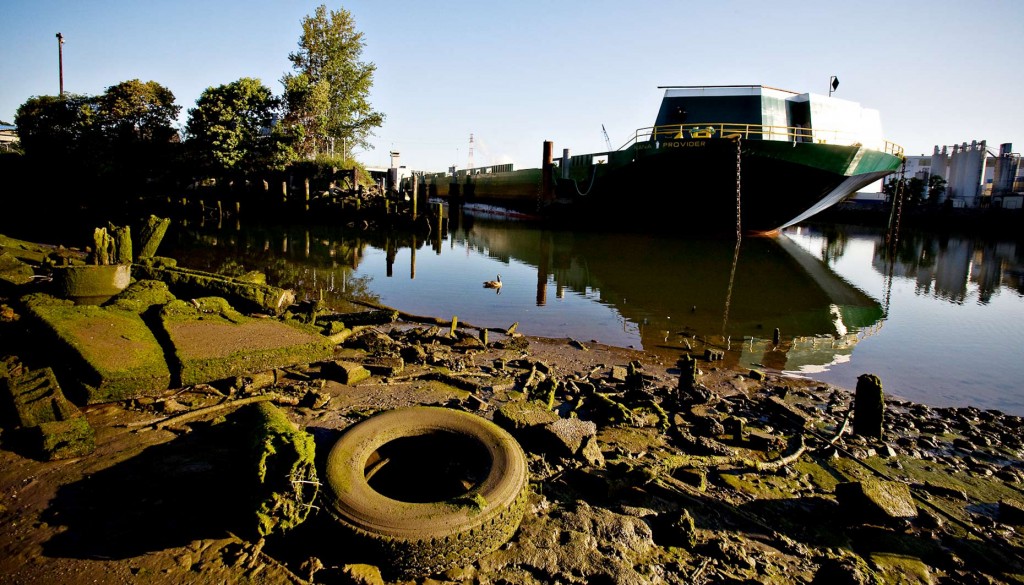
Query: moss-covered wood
point(184, 282)
point(282, 466)
point(150, 234)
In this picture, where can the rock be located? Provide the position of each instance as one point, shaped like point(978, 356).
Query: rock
point(780, 408)
point(685, 531)
point(526, 420)
point(384, 366)
point(361, 574)
point(213, 342)
point(1011, 512)
point(345, 372)
point(590, 453)
point(618, 374)
point(876, 500)
point(566, 436)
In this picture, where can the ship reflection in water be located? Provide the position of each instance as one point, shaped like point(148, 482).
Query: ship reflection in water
point(660, 293)
point(680, 294)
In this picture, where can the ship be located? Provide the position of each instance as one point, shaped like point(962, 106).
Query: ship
point(744, 157)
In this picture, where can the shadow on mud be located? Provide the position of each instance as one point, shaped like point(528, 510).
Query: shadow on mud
point(168, 495)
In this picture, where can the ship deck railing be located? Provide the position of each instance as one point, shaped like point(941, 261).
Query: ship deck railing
point(795, 134)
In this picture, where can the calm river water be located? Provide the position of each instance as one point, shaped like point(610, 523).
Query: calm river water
point(940, 320)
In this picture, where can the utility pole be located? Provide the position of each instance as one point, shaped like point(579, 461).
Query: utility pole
point(60, 61)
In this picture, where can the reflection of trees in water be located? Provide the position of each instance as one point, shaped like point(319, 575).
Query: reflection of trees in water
point(318, 263)
point(834, 246)
point(944, 266)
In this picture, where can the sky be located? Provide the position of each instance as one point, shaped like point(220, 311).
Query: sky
point(516, 73)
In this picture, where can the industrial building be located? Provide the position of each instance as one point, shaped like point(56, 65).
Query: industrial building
point(975, 175)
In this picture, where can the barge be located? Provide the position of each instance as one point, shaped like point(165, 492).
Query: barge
point(747, 157)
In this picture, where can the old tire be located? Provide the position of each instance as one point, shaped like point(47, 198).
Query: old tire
point(420, 526)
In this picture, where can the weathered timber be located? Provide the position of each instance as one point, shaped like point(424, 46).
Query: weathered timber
point(185, 282)
point(150, 235)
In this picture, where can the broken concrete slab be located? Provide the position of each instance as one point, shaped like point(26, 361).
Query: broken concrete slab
point(112, 352)
point(345, 372)
point(53, 427)
point(876, 500)
point(211, 341)
point(566, 436)
point(185, 282)
point(14, 271)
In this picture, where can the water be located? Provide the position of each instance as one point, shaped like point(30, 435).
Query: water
point(940, 324)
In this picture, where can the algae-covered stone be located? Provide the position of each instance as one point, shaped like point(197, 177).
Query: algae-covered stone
point(185, 282)
point(54, 427)
point(346, 372)
point(64, 439)
point(112, 352)
point(876, 500)
point(212, 342)
point(14, 271)
point(566, 436)
point(142, 295)
point(90, 280)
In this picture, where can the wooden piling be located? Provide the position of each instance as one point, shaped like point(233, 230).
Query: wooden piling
point(547, 173)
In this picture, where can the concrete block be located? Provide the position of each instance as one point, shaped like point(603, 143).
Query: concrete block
point(111, 352)
point(211, 341)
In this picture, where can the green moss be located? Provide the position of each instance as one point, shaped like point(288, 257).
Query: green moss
point(142, 295)
point(113, 353)
point(211, 341)
point(283, 458)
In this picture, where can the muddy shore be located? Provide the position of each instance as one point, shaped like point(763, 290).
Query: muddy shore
point(670, 472)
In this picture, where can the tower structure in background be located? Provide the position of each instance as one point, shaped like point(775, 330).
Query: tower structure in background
point(470, 163)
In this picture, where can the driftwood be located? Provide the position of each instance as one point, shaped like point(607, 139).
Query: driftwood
point(215, 409)
point(703, 461)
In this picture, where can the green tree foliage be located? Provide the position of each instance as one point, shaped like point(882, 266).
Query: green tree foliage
point(55, 127)
point(123, 136)
point(328, 93)
point(135, 120)
point(232, 129)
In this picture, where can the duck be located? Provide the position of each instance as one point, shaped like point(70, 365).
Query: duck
point(493, 283)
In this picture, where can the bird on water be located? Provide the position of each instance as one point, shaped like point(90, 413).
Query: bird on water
point(493, 283)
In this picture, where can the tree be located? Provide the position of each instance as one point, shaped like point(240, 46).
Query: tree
point(55, 126)
point(136, 112)
point(124, 136)
point(327, 95)
point(232, 129)
point(135, 120)
point(936, 189)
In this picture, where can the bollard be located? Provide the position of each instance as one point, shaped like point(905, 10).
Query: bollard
point(483, 336)
point(868, 407)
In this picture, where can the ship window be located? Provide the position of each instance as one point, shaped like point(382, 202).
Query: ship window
point(599, 160)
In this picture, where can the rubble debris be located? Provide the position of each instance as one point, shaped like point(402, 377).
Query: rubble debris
point(345, 372)
point(53, 427)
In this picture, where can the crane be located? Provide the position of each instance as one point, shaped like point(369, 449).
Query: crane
point(607, 142)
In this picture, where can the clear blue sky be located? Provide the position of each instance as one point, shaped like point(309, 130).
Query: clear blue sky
point(516, 73)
